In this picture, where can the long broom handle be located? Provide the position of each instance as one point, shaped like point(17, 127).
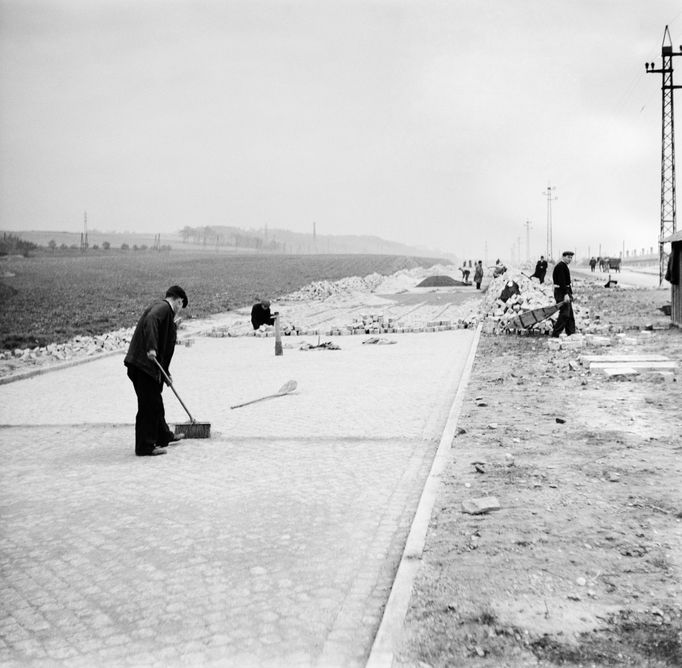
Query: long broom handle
point(253, 401)
point(170, 384)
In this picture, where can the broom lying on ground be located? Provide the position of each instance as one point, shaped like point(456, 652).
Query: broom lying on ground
point(288, 387)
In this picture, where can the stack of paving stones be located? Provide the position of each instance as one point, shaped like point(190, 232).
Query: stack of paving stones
point(55, 353)
point(497, 315)
point(320, 290)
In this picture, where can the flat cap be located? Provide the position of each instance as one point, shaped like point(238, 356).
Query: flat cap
point(177, 292)
point(568, 253)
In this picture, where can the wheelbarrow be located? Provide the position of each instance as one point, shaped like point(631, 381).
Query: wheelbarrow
point(527, 319)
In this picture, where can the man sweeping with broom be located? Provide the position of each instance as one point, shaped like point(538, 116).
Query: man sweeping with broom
point(153, 344)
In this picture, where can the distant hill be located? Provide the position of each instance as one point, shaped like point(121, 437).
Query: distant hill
point(234, 239)
point(95, 238)
point(286, 241)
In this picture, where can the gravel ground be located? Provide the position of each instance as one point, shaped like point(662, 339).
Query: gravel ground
point(582, 564)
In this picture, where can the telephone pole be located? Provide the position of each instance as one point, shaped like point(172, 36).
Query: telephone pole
point(549, 194)
point(528, 226)
point(84, 233)
point(668, 200)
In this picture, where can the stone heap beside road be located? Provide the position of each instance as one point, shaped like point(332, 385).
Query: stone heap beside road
point(361, 305)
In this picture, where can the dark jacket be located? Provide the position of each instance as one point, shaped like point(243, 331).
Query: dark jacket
point(562, 281)
point(672, 274)
point(156, 330)
point(540, 269)
point(260, 315)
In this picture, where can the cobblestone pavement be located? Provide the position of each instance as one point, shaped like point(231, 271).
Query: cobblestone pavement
point(273, 543)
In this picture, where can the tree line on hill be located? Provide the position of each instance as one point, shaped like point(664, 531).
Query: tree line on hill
point(230, 236)
point(275, 240)
point(223, 238)
point(13, 244)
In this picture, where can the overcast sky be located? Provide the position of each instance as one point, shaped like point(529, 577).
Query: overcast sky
point(439, 123)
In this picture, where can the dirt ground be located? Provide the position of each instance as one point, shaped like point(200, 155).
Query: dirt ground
point(582, 563)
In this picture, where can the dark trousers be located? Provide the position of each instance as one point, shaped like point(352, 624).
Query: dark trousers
point(150, 422)
point(566, 320)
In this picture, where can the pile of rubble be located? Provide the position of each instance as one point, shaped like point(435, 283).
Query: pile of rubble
point(514, 293)
point(498, 313)
point(400, 281)
point(78, 347)
point(321, 290)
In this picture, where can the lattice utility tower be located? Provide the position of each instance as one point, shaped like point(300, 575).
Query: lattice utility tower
point(549, 194)
point(668, 200)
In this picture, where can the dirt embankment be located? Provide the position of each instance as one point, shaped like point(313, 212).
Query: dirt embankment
point(582, 564)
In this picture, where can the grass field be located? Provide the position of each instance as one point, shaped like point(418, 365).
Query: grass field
point(52, 298)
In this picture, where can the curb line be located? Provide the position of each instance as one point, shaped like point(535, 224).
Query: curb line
point(389, 633)
point(37, 371)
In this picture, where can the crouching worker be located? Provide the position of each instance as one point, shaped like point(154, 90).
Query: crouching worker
point(260, 314)
point(153, 341)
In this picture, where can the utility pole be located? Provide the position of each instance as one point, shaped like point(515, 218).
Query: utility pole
point(528, 226)
point(668, 200)
point(549, 194)
point(84, 233)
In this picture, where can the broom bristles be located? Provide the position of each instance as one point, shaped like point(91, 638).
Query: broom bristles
point(194, 429)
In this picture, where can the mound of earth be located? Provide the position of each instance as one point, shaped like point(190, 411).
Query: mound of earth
point(439, 282)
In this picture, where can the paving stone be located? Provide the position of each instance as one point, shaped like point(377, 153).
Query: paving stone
point(481, 505)
point(252, 547)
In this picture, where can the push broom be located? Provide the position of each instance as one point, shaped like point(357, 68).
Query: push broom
point(191, 429)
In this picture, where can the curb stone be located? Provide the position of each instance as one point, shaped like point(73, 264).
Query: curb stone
point(37, 371)
point(386, 641)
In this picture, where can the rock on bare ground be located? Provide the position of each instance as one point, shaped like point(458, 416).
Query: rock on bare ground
point(582, 565)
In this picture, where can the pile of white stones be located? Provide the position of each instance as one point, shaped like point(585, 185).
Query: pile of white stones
point(498, 315)
point(78, 347)
point(321, 290)
point(400, 281)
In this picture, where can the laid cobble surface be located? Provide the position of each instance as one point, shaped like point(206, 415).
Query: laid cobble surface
point(273, 543)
